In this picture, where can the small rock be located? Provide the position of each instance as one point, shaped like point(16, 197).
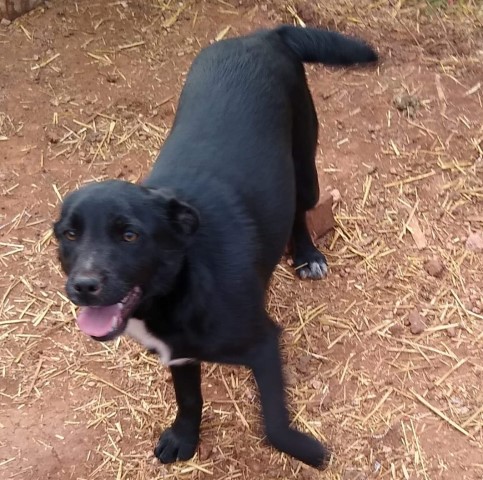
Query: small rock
point(5, 22)
point(474, 242)
point(317, 384)
point(434, 266)
point(396, 329)
point(320, 220)
point(416, 323)
point(336, 196)
point(451, 332)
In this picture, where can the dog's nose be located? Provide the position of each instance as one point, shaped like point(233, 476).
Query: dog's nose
point(87, 284)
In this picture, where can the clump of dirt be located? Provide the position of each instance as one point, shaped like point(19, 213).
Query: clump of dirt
point(416, 322)
point(434, 267)
point(406, 103)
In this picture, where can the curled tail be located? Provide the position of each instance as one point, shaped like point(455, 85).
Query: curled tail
point(313, 45)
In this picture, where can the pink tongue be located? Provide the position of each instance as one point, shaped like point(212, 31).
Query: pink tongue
point(98, 321)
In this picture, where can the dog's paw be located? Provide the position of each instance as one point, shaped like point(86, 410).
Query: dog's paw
point(300, 446)
point(325, 459)
point(320, 458)
point(172, 447)
point(313, 266)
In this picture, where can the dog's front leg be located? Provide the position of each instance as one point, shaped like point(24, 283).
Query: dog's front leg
point(267, 369)
point(179, 442)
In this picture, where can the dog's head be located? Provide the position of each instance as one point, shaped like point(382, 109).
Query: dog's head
point(120, 243)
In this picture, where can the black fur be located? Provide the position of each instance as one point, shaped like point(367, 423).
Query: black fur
point(229, 190)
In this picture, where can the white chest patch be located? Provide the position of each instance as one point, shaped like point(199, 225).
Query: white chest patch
point(137, 331)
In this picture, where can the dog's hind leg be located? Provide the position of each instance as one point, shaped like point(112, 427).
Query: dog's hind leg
point(179, 442)
point(308, 260)
point(266, 365)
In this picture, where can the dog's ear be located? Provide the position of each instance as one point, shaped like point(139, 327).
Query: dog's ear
point(183, 217)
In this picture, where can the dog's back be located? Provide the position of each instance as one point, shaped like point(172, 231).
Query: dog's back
point(235, 120)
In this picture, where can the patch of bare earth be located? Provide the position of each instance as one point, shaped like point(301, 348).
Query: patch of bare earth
point(384, 359)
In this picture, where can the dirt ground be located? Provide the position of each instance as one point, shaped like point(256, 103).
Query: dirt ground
point(384, 361)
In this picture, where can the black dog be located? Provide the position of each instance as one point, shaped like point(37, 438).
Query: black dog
point(182, 262)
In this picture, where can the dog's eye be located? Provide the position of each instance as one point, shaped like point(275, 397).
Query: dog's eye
point(129, 236)
point(70, 235)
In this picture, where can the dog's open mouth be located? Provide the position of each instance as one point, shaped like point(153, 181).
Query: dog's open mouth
point(108, 322)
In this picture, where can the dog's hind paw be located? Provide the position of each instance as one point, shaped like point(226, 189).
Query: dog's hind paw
point(172, 447)
point(314, 266)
